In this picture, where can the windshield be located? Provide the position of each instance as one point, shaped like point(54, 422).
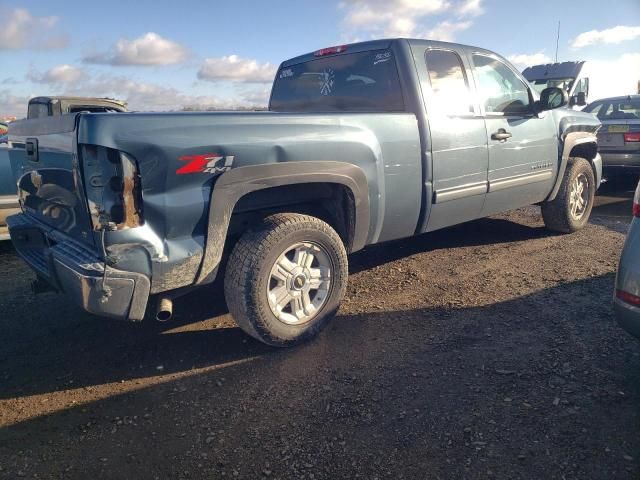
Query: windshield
point(563, 83)
point(357, 82)
point(628, 109)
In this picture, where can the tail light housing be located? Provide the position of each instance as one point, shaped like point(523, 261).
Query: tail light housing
point(113, 186)
point(627, 297)
point(632, 137)
point(636, 202)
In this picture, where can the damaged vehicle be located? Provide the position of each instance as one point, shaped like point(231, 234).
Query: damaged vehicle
point(362, 144)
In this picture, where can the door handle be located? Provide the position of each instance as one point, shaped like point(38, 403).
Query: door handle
point(501, 134)
point(31, 149)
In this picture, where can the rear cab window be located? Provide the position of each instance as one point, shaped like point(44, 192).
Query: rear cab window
point(352, 82)
point(38, 110)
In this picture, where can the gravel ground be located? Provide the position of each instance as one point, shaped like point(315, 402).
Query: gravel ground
point(488, 350)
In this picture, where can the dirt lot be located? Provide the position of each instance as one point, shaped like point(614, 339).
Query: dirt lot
point(487, 350)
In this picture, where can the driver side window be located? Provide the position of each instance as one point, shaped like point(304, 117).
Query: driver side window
point(500, 90)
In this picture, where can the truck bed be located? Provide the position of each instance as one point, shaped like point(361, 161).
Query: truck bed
point(168, 246)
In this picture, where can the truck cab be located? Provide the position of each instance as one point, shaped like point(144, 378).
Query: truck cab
point(569, 76)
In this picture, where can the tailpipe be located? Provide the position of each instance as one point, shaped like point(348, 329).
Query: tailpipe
point(165, 309)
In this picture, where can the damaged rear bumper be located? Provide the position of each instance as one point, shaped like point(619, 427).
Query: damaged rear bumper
point(77, 271)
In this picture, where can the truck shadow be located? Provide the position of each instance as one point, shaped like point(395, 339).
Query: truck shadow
point(49, 345)
point(485, 231)
point(448, 364)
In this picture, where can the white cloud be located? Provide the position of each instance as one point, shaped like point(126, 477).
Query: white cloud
point(527, 60)
point(617, 34)
point(19, 29)
point(140, 96)
point(146, 96)
point(472, 8)
point(445, 31)
point(610, 78)
point(149, 49)
point(12, 105)
point(59, 75)
point(372, 13)
point(406, 18)
point(236, 69)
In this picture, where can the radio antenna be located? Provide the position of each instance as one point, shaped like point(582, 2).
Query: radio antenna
point(557, 41)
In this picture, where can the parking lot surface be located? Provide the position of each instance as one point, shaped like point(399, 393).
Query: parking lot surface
point(487, 350)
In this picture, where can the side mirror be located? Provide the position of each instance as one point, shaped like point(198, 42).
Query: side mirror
point(581, 99)
point(552, 97)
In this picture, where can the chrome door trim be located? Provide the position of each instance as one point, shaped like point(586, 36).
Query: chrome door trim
point(462, 191)
point(519, 180)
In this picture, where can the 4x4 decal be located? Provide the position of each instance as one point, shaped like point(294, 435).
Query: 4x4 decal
point(205, 163)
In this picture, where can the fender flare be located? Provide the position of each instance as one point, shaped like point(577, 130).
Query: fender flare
point(231, 186)
point(570, 141)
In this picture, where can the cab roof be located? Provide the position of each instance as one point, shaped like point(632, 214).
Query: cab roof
point(382, 44)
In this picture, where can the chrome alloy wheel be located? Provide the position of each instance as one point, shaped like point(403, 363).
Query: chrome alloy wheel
point(579, 196)
point(299, 283)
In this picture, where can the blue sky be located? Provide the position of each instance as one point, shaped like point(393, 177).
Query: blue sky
point(165, 55)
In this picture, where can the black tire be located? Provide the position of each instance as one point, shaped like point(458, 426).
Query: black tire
point(557, 213)
point(248, 274)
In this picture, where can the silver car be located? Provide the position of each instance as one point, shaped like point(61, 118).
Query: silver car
point(626, 299)
point(619, 137)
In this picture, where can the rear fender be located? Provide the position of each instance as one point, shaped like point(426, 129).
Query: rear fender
point(231, 186)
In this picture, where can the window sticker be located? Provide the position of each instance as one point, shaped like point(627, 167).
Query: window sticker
point(286, 73)
point(327, 79)
point(382, 57)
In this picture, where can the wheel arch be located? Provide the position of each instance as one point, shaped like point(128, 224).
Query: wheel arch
point(246, 186)
point(577, 144)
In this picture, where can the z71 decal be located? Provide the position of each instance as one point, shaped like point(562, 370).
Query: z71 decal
point(206, 163)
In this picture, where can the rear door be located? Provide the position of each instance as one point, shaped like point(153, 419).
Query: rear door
point(458, 137)
point(523, 147)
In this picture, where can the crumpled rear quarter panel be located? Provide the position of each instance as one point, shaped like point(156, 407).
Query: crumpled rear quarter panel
point(385, 146)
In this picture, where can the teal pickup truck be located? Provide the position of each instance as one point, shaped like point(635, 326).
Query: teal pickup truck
point(362, 144)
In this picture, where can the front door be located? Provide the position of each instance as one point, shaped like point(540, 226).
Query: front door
point(523, 147)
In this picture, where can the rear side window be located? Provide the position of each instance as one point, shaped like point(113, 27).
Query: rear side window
point(355, 82)
point(628, 109)
point(450, 90)
point(593, 108)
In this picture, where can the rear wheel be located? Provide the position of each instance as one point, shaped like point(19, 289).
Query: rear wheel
point(570, 210)
point(285, 279)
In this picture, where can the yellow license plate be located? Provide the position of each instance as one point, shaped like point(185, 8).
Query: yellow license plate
point(618, 128)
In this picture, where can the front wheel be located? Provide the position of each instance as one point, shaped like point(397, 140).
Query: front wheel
point(570, 210)
point(286, 278)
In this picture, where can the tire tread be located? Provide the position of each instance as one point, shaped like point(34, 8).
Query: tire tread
point(241, 281)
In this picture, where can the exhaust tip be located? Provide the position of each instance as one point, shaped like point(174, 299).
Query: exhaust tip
point(165, 310)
